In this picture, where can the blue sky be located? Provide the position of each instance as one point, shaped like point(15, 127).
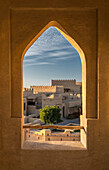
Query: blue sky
point(51, 57)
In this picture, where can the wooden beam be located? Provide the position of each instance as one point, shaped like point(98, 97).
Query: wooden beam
point(52, 127)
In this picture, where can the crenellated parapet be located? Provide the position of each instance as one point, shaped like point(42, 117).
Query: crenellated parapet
point(65, 83)
point(46, 89)
point(27, 89)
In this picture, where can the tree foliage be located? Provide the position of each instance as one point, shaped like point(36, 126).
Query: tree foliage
point(50, 114)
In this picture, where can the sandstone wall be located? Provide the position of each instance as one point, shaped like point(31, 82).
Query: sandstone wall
point(27, 91)
point(44, 89)
point(32, 110)
point(36, 137)
point(46, 101)
point(87, 22)
point(65, 83)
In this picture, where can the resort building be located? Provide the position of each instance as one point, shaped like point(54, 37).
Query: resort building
point(67, 94)
point(48, 135)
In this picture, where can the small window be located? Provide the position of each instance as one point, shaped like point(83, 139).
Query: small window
point(47, 134)
point(31, 103)
point(48, 139)
point(24, 106)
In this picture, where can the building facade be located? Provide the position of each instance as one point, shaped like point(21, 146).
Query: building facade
point(48, 135)
point(65, 93)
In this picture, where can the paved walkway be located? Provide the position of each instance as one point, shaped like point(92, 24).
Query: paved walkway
point(67, 121)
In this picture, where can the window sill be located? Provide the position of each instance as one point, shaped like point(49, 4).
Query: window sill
point(53, 145)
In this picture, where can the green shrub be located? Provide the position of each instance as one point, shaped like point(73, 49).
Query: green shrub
point(50, 114)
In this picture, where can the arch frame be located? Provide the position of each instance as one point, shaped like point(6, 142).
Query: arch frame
point(75, 45)
point(81, 25)
point(83, 61)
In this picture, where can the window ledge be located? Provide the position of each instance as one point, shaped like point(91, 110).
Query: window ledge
point(53, 145)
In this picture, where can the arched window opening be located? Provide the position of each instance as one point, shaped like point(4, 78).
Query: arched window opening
point(53, 84)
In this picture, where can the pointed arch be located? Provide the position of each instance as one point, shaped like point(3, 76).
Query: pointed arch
point(75, 45)
point(83, 119)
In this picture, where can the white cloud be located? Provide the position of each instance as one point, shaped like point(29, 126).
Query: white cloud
point(50, 47)
point(38, 63)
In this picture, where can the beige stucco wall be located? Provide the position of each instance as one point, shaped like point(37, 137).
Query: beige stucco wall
point(87, 23)
point(70, 84)
point(44, 89)
point(65, 83)
point(47, 89)
point(56, 100)
point(32, 110)
point(51, 137)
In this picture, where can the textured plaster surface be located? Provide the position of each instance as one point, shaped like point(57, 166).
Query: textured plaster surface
point(87, 23)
